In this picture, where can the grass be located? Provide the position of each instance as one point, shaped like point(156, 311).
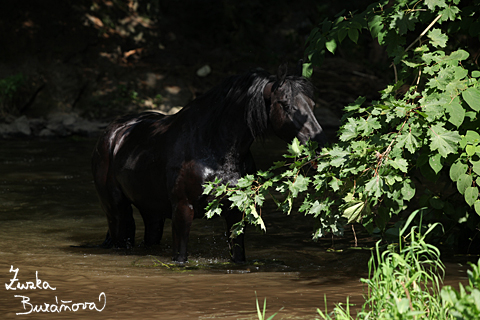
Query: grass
point(405, 282)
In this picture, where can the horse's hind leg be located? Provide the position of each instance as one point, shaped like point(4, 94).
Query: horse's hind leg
point(154, 222)
point(121, 225)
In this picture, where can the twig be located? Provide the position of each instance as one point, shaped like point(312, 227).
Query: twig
point(418, 39)
point(354, 235)
point(424, 32)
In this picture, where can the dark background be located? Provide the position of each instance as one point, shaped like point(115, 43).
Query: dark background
point(101, 58)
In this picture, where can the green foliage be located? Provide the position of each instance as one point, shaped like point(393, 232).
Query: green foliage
point(465, 303)
point(405, 280)
point(387, 148)
point(261, 313)
point(9, 90)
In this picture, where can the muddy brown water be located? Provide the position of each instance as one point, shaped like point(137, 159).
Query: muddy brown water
point(48, 203)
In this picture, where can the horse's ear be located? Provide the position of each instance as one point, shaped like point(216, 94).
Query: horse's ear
point(299, 68)
point(281, 76)
point(282, 73)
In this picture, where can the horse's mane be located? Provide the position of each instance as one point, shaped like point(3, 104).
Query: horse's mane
point(246, 91)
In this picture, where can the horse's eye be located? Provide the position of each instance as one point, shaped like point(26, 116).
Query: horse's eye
point(286, 106)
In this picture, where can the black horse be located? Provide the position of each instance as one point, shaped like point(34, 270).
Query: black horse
point(159, 163)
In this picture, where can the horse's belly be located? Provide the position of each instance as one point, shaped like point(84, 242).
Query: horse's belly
point(147, 192)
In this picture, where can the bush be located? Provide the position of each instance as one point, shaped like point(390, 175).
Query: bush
point(419, 145)
point(405, 281)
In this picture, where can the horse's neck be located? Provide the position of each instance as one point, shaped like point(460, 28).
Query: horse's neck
point(233, 138)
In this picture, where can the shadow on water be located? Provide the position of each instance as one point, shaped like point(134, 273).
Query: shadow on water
point(48, 203)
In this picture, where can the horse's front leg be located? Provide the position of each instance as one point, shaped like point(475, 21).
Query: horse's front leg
point(182, 219)
point(237, 247)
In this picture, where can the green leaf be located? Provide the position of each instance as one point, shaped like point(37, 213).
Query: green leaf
point(434, 105)
point(368, 125)
point(438, 39)
point(238, 199)
point(317, 208)
point(470, 149)
point(463, 182)
point(412, 64)
point(444, 141)
point(431, 4)
point(408, 190)
point(476, 74)
point(449, 13)
point(335, 184)
point(349, 130)
point(472, 137)
point(399, 163)
point(353, 211)
point(471, 195)
point(208, 188)
point(307, 70)
point(331, 45)
point(246, 181)
point(300, 185)
point(472, 97)
point(458, 55)
point(295, 148)
point(409, 141)
point(457, 170)
point(353, 34)
point(342, 34)
point(476, 167)
point(375, 25)
point(355, 105)
point(436, 162)
point(339, 156)
point(456, 112)
point(477, 207)
point(403, 22)
point(374, 186)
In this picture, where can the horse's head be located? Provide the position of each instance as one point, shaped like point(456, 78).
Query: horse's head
point(290, 100)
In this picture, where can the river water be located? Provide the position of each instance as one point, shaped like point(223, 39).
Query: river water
point(48, 204)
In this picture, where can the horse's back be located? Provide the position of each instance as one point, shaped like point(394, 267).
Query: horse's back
point(121, 139)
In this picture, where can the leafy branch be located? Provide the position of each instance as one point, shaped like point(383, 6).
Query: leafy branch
point(386, 148)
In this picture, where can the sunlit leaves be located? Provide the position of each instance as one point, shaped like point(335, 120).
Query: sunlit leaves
point(295, 148)
point(331, 45)
point(299, 185)
point(471, 195)
point(438, 39)
point(463, 182)
point(408, 190)
point(353, 210)
point(338, 156)
point(436, 162)
point(449, 13)
point(457, 170)
point(399, 163)
point(430, 129)
point(456, 112)
point(472, 97)
point(374, 186)
point(409, 140)
point(443, 140)
point(349, 130)
point(431, 4)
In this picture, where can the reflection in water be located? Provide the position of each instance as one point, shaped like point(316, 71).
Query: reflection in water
point(48, 203)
